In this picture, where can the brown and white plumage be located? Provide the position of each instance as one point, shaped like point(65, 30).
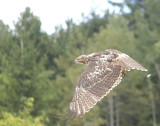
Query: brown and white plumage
point(105, 71)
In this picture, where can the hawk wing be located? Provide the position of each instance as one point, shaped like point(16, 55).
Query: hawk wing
point(126, 61)
point(95, 82)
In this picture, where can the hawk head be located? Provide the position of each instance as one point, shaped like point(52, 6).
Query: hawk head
point(83, 59)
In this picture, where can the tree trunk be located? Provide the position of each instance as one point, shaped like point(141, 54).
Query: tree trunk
point(111, 111)
point(21, 48)
point(157, 70)
point(117, 110)
point(153, 106)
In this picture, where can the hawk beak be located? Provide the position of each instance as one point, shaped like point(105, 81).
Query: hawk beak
point(75, 62)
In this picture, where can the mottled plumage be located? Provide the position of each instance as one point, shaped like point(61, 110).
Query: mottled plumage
point(104, 72)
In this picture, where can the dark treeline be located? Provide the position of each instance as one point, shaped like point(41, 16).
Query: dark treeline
point(38, 75)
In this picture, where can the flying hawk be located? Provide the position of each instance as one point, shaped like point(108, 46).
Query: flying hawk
point(104, 72)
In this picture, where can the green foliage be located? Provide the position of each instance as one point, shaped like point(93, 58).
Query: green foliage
point(23, 65)
point(38, 74)
point(23, 118)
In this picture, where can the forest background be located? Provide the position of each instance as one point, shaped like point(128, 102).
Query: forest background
point(38, 75)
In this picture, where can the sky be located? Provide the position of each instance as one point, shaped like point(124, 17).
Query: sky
point(52, 12)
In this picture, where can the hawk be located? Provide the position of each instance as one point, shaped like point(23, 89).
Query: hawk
point(104, 72)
